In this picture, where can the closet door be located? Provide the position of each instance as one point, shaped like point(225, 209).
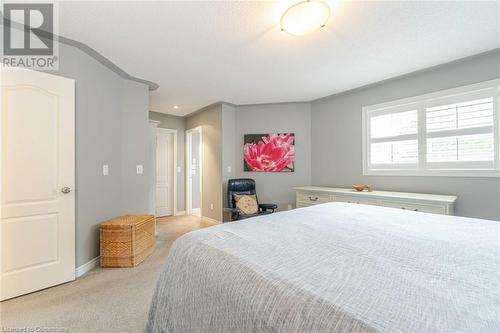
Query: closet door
point(164, 173)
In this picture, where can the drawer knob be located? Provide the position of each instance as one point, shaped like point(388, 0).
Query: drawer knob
point(313, 199)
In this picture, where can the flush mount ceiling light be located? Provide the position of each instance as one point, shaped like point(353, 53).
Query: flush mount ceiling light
point(305, 17)
point(176, 107)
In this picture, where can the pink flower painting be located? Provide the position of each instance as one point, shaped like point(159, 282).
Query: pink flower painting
point(269, 152)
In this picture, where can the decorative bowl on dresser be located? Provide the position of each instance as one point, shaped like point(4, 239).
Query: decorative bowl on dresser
point(419, 202)
point(127, 240)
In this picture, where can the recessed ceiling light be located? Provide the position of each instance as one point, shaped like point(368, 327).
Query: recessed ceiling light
point(176, 107)
point(305, 17)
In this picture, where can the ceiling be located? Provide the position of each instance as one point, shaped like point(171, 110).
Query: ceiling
point(204, 52)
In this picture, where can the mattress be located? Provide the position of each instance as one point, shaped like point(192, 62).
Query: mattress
point(335, 267)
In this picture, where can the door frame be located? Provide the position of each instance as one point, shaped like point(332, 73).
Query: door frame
point(174, 132)
point(189, 155)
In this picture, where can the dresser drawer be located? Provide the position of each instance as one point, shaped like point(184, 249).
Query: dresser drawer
point(415, 207)
point(312, 198)
point(353, 199)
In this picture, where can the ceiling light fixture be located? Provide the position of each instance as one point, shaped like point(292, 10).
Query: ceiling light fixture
point(176, 107)
point(305, 17)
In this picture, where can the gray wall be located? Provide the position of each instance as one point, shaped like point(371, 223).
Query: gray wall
point(152, 168)
point(178, 123)
point(135, 148)
point(337, 144)
point(210, 120)
point(277, 187)
point(229, 140)
point(108, 109)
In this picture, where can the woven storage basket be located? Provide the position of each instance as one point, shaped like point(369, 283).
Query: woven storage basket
point(127, 240)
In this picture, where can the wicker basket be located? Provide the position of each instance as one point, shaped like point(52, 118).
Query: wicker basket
point(127, 240)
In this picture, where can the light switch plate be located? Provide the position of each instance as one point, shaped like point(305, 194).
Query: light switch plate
point(105, 170)
point(140, 169)
point(178, 169)
point(228, 169)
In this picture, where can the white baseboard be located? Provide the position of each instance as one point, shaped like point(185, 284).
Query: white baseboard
point(210, 219)
point(79, 271)
point(181, 212)
point(196, 211)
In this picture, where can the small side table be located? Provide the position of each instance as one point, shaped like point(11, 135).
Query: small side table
point(227, 215)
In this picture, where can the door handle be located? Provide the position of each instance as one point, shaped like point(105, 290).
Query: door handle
point(66, 190)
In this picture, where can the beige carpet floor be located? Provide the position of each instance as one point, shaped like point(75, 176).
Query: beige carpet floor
point(103, 300)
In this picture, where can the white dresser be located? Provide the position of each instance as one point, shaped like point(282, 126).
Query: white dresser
point(428, 203)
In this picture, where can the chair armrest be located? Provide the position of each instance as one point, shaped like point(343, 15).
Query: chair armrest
point(271, 207)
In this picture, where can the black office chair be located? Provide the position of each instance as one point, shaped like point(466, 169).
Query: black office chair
point(245, 186)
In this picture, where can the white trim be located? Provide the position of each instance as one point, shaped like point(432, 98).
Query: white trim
point(196, 211)
point(430, 173)
point(496, 129)
point(421, 102)
point(180, 212)
point(79, 271)
point(174, 132)
point(187, 171)
point(434, 95)
point(189, 197)
point(402, 137)
point(210, 220)
point(2, 180)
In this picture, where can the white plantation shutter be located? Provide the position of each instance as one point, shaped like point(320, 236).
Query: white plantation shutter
point(394, 124)
point(393, 138)
point(454, 132)
point(465, 148)
point(394, 152)
point(469, 114)
point(461, 132)
point(390, 134)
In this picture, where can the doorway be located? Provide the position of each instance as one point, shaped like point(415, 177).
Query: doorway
point(166, 164)
point(193, 171)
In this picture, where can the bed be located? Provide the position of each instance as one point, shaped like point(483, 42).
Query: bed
point(334, 267)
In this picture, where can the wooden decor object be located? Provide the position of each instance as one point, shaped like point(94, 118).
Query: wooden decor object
point(127, 240)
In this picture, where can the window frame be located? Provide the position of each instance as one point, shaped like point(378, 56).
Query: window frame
point(420, 103)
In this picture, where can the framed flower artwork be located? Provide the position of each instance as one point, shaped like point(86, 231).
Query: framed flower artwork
point(269, 152)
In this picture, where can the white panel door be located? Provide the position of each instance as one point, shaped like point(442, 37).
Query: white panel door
point(37, 181)
point(164, 173)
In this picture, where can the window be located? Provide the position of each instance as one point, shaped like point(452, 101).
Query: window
point(448, 133)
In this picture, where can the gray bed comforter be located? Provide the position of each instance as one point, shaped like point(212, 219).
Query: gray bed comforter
point(333, 268)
